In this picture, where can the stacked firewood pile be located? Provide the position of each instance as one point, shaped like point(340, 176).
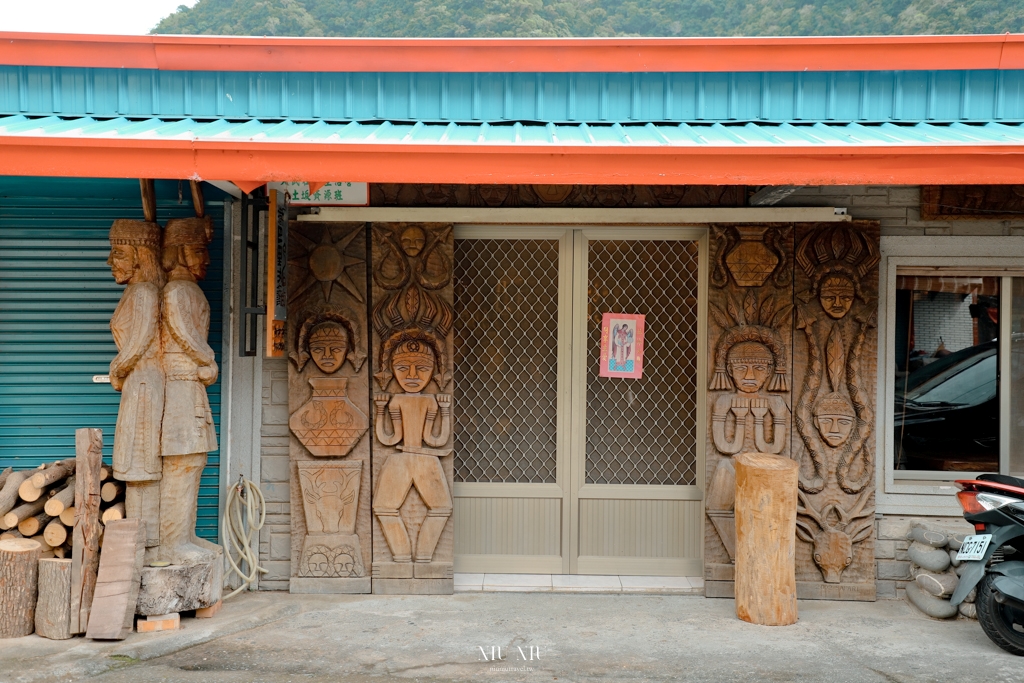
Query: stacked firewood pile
point(40, 504)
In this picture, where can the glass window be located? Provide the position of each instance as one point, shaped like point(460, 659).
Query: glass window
point(947, 389)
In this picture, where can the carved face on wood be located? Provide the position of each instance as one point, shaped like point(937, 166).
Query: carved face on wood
point(197, 258)
point(750, 366)
point(122, 263)
point(834, 417)
point(413, 366)
point(328, 346)
point(413, 240)
point(836, 296)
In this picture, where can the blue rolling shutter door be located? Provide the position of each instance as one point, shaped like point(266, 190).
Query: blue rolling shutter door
point(56, 299)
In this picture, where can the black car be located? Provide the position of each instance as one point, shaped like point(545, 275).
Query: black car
point(947, 413)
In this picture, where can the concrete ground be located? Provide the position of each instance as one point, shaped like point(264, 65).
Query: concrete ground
point(583, 637)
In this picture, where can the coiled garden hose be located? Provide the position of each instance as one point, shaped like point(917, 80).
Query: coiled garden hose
point(244, 514)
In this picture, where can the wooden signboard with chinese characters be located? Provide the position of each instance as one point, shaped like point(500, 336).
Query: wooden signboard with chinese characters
point(835, 361)
point(412, 317)
point(328, 396)
point(749, 391)
point(277, 283)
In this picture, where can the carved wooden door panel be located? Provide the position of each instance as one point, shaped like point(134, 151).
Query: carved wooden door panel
point(637, 446)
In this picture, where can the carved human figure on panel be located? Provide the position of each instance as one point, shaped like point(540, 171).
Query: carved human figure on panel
point(751, 369)
point(409, 420)
point(136, 371)
point(189, 367)
point(328, 424)
point(834, 427)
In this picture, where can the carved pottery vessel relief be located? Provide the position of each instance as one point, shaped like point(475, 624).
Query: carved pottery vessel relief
point(328, 393)
point(329, 425)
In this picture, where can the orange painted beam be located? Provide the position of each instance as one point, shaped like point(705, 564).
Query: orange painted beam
point(219, 53)
point(259, 163)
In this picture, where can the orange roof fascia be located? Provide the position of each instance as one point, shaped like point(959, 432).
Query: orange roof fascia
point(259, 163)
point(220, 53)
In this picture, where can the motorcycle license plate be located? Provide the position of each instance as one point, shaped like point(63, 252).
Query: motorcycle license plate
point(974, 548)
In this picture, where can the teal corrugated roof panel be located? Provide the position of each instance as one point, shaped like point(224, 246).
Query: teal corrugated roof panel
point(521, 133)
point(826, 96)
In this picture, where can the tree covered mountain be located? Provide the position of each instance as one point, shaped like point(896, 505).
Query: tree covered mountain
point(542, 18)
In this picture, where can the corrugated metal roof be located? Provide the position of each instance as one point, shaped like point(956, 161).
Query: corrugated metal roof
point(828, 96)
point(683, 135)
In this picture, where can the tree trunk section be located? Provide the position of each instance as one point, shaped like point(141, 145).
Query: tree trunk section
point(19, 572)
point(9, 493)
point(15, 517)
point(63, 500)
point(113, 513)
point(61, 469)
point(85, 556)
point(53, 610)
point(55, 533)
point(766, 487)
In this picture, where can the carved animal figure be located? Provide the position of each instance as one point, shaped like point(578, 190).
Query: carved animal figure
point(837, 532)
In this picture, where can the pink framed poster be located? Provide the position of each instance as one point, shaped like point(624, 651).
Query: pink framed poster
point(622, 345)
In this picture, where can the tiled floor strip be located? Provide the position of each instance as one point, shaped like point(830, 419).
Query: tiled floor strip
point(571, 583)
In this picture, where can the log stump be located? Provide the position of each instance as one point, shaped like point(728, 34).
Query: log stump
point(766, 501)
point(53, 610)
point(19, 575)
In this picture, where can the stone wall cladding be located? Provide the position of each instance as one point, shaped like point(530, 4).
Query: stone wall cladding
point(897, 208)
point(275, 537)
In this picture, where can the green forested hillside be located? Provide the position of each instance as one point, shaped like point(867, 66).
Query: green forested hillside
point(537, 18)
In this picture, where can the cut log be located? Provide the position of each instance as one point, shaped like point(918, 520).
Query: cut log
point(111, 491)
point(22, 512)
point(117, 588)
point(113, 513)
point(9, 493)
point(53, 608)
point(34, 525)
point(11, 533)
point(19, 572)
point(105, 473)
point(61, 469)
point(766, 501)
point(67, 516)
point(62, 500)
point(55, 533)
point(86, 545)
point(3, 476)
point(28, 491)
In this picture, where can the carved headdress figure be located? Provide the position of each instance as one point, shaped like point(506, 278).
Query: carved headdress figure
point(745, 328)
point(136, 370)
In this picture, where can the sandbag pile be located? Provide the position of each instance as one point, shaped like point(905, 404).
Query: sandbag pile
point(936, 572)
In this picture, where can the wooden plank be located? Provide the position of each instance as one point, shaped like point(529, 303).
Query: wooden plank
point(53, 609)
point(85, 557)
point(117, 586)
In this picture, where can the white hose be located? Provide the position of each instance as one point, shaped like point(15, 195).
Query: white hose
point(239, 530)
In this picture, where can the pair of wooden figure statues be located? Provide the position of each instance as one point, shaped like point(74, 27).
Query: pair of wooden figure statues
point(164, 365)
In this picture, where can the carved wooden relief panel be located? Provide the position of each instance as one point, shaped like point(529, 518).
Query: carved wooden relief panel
point(598, 196)
point(835, 360)
point(750, 332)
point(972, 202)
point(328, 396)
point(412, 318)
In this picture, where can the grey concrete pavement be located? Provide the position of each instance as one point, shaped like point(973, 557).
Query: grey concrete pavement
point(574, 638)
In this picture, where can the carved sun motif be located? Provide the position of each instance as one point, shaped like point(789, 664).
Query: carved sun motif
point(326, 262)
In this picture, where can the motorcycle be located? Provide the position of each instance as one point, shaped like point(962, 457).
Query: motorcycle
point(994, 504)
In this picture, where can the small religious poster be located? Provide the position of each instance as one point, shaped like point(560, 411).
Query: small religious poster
point(622, 345)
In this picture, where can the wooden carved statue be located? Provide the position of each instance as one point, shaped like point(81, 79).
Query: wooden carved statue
point(328, 394)
point(750, 307)
point(137, 370)
point(188, 431)
point(836, 302)
point(412, 318)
